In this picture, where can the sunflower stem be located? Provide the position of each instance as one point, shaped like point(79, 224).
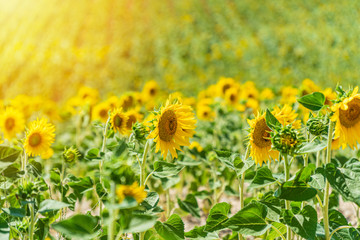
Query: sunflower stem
point(287, 203)
point(327, 186)
point(32, 221)
point(142, 175)
point(101, 165)
point(241, 186)
point(112, 212)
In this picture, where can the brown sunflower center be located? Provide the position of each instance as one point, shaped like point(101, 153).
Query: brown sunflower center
point(261, 134)
point(167, 125)
point(351, 116)
point(225, 87)
point(152, 91)
point(35, 139)
point(117, 121)
point(131, 121)
point(9, 123)
point(103, 113)
point(232, 98)
point(205, 113)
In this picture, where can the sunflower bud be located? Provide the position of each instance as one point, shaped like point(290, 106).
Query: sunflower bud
point(139, 131)
point(286, 140)
point(71, 155)
point(317, 126)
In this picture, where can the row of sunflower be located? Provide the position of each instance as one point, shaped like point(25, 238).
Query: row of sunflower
point(142, 164)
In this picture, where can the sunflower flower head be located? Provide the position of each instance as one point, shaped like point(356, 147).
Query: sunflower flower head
point(346, 114)
point(173, 125)
point(317, 125)
point(12, 122)
point(39, 137)
point(286, 140)
point(134, 191)
point(71, 155)
point(260, 142)
point(118, 120)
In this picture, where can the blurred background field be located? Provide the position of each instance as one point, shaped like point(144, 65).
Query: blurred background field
point(52, 47)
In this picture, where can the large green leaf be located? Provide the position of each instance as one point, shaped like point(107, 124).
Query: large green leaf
point(172, 229)
point(250, 220)
point(140, 223)
point(273, 234)
point(217, 216)
point(314, 101)
point(199, 233)
point(234, 162)
point(304, 223)
point(273, 205)
point(311, 147)
point(9, 154)
point(4, 229)
point(295, 191)
point(190, 205)
point(78, 227)
point(15, 212)
point(346, 180)
point(336, 220)
point(50, 205)
point(263, 177)
point(164, 169)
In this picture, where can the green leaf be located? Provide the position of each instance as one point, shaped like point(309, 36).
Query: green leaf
point(15, 212)
point(314, 101)
point(190, 205)
point(250, 220)
point(304, 174)
point(140, 223)
point(80, 185)
point(273, 205)
point(92, 154)
point(9, 154)
point(172, 229)
point(50, 205)
point(263, 177)
point(345, 180)
point(295, 191)
point(271, 120)
point(336, 219)
point(151, 200)
point(304, 223)
point(311, 147)
point(4, 229)
point(78, 227)
point(199, 233)
point(217, 216)
point(274, 234)
point(169, 182)
point(234, 162)
point(164, 169)
point(317, 181)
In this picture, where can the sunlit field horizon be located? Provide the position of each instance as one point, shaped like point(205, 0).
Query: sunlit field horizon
point(53, 47)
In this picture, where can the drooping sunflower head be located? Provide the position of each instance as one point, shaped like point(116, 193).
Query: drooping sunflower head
point(138, 193)
point(347, 117)
point(118, 121)
point(173, 126)
point(260, 142)
point(39, 137)
point(12, 122)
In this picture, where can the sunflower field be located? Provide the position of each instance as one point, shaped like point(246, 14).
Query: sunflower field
point(172, 120)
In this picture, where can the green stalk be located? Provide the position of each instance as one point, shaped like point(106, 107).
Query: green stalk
point(241, 185)
point(32, 221)
point(142, 175)
point(327, 186)
point(287, 203)
point(101, 164)
point(111, 227)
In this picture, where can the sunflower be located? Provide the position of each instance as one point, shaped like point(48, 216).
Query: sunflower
point(133, 117)
point(204, 112)
point(286, 115)
point(138, 193)
point(174, 125)
point(260, 141)
point(267, 94)
point(12, 122)
point(88, 95)
point(232, 96)
point(347, 117)
point(100, 112)
point(39, 137)
point(118, 120)
point(224, 84)
point(48, 154)
point(150, 90)
point(289, 95)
